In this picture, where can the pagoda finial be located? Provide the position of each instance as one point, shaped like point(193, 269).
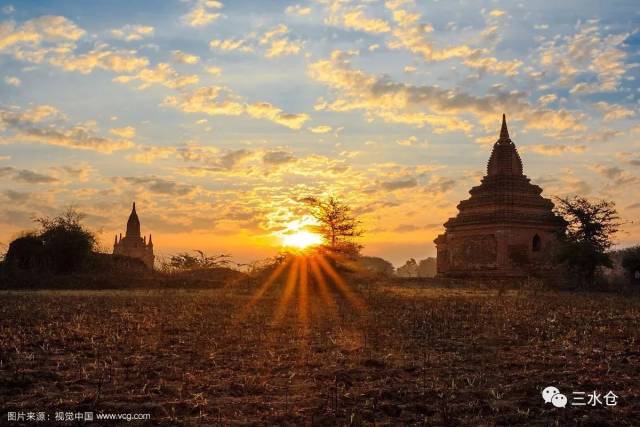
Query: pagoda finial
point(134, 203)
point(504, 132)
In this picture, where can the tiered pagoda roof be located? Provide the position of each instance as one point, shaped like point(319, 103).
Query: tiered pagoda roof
point(505, 195)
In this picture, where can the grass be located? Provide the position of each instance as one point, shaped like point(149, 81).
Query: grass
point(408, 355)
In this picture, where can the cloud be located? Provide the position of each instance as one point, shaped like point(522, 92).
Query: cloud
point(274, 42)
point(278, 157)
point(131, 33)
point(423, 104)
point(79, 174)
point(26, 176)
point(12, 81)
point(278, 44)
point(320, 129)
point(163, 74)
point(439, 185)
point(215, 100)
point(547, 99)
point(185, 58)
point(491, 64)
point(630, 158)
point(265, 110)
point(554, 149)
point(149, 154)
point(233, 158)
point(187, 153)
point(411, 141)
point(612, 112)
point(619, 176)
point(409, 34)
point(281, 47)
point(354, 18)
point(211, 100)
point(126, 132)
point(586, 55)
point(214, 71)
point(31, 177)
point(399, 184)
point(16, 196)
point(202, 13)
point(230, 45)
point(103, 57)
point(296, 9)
point(158, 185)
point(38, 30)
point(22, 127)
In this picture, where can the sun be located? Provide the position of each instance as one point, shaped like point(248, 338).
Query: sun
point(297, 234)
point(301, 239)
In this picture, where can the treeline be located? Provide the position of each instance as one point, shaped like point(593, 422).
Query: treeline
point(62, 252)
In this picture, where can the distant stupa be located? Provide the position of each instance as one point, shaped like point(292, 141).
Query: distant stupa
point(505, 229)
point(133, 245)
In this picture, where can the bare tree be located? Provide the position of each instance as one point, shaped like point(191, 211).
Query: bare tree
point(337, 223)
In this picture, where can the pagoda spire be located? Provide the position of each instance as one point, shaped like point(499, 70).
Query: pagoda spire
point(504, 132)
point(504, 159)
point(133, 224)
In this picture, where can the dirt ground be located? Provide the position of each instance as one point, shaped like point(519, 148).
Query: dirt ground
point(389, 354)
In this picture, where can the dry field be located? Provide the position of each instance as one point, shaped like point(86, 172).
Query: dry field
point(394, 354)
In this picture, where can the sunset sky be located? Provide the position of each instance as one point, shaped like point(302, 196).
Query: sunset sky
point(218, 117)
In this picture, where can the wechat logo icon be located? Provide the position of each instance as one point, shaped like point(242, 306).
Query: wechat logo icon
point(552, 395)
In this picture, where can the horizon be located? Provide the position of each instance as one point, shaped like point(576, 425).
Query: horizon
point(217, 118)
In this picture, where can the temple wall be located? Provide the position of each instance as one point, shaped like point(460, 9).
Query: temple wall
point(499, 249)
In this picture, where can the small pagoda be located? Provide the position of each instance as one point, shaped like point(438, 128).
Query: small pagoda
point(133, 244)
point(505, 229)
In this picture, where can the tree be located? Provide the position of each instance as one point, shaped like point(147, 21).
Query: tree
point(588, 235)
point(631, 261)
point(200, 261)
point(337, 224)
point(25, 253)
point(61, 245)
point(67, 244)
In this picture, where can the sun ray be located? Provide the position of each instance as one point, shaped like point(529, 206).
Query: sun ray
point(303, 293)
point(342, 285)
point(321, 285)
point(292, 279)
point(275, 274)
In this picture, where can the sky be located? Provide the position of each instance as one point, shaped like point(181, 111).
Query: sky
point(218, 117)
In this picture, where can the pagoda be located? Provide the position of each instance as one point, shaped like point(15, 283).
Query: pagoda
point(133, 244)
point(505, 229)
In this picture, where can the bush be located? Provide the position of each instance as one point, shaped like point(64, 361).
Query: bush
point(631, 262)
point(25, 253)
point(61, 246)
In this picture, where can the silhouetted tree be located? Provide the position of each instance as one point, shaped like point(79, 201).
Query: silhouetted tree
point(337, 224)
point(67, 244)
point(187, 261)
point(588, 235)
point(25, 253)
point(376, 264)
point(631, 261)
point(61, 245)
